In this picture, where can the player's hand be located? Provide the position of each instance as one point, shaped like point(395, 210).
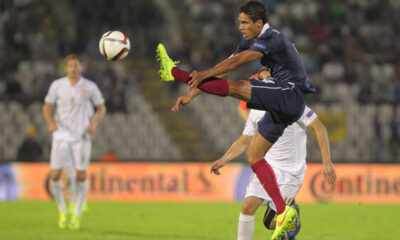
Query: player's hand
point(90, 129)
point(217, 165)
point(197, 78)
point(182, 100)
point(52, 126)
point(329, 172)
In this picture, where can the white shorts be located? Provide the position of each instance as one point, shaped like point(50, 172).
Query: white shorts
point(289, 185)
point(67, 154)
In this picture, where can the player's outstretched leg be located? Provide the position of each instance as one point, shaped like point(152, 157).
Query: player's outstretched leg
point(283, 222)
point(217, 86)
point(166, 64)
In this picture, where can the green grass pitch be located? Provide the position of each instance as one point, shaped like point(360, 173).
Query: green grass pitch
point(197, 221)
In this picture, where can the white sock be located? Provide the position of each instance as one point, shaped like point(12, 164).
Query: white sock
point(72, 185)
point(245, 227)
point(57, 190)
point(87, 191)
point(80, 198)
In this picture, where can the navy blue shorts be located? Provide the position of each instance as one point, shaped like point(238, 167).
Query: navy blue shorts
point(283, 101)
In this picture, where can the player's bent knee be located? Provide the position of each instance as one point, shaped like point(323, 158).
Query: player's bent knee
point(240, 89)
point(251, 159)
point(248, 209)
point(81, 176)
point(55, 175)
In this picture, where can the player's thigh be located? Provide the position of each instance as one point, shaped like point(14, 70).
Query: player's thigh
point(240, 89)
point(270, 128)
point(55, 174)
point(281, 98)
point(82, 153)
point(257, 148)
point(60, 154)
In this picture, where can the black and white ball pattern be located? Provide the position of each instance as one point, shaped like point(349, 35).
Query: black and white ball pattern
point(114, 45)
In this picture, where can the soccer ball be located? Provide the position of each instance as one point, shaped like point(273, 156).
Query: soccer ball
point(114, 45)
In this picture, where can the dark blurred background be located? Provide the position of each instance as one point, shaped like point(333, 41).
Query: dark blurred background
point(351, 51)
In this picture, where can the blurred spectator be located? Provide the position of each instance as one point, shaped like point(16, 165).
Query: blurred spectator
point(30, 149)
point(13, 87)
point(8, 186)
point(109, 157)
point(378, 137)
point(365, 93)
point(394, 135)
point(333, 71)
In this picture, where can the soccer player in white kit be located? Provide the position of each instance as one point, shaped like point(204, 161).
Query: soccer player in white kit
point(73, 127)
point(287, 158)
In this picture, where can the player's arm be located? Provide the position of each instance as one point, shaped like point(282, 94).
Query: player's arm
point(94, 121)
point(224, 67)
point(322, 137)
point(235, 150)
point(243, 113)
point(183, 100)
point(224, 74)
point(46, 111)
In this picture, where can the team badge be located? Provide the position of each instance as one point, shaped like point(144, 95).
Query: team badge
point(258, 45)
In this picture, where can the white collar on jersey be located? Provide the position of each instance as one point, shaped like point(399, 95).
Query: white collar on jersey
point(265, 27)
point(79, 82)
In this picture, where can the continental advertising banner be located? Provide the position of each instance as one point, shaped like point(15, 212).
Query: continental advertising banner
point(179, 182)
point(366, 183)
point(138, 182)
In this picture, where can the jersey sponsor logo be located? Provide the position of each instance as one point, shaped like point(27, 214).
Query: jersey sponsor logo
point(259, 45)
point(310, 113)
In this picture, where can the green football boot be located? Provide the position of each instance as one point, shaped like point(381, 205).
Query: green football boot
point(166, 64)
point(62, 219)
point(283, 222)
point(75, 222)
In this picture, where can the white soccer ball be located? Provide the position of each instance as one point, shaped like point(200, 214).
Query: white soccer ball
point(114, 45)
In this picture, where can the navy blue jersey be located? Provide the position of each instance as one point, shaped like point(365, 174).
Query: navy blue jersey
point(280, 56)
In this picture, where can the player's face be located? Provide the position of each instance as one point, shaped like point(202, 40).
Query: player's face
point(248, 28)
point(73, 68)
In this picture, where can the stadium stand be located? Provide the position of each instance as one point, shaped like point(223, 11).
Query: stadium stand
point(350, 50)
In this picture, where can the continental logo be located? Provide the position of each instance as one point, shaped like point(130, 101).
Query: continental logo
point(105, 182)
point(360, 185)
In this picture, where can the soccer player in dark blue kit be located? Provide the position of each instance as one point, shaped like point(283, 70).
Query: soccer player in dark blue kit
point(282, 97)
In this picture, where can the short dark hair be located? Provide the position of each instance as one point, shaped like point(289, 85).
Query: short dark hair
point(255, 10)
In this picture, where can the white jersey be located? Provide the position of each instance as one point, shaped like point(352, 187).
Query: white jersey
point(74, 106)
point(289, 152)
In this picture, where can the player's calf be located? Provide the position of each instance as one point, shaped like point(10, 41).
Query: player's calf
point(269, 219)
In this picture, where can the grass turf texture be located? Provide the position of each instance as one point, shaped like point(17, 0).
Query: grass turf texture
point(197, 221)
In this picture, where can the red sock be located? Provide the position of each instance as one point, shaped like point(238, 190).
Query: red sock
point(216, 86)
point(180, 75)
point(267, 178)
